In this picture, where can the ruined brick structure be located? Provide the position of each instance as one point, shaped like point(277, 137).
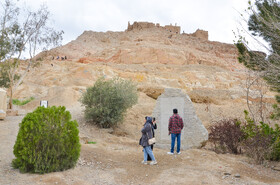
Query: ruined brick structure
point(173, 29)
point(147, 25)
point(200, 34)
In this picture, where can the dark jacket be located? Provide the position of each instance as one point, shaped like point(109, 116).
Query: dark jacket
point(154, 126)
point(146, 133)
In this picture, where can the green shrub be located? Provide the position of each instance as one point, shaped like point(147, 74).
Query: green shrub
point(23, 102)
point(107, 101)
point(261, 141)
point(276, 110)
point(47, 141)
point(258, 146)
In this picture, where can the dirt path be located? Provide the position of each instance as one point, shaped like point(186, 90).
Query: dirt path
point(117, 160)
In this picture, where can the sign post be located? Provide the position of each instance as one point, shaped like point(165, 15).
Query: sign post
point(44, 103)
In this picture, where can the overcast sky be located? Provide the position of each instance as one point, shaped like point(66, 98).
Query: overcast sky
point(218, 17)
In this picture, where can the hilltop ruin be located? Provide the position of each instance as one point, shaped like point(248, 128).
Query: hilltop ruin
point(173, 29)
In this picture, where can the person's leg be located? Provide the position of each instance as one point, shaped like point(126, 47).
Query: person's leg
point(145, 154)
point(149, 158)
point(178, 142)
point(172, 142)
point(150, 152)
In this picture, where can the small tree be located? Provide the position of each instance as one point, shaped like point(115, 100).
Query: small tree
point(22, 30)
point(107, 101)
point(256, 88)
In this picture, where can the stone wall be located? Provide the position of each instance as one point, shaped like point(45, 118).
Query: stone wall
point(147, 25)
point(200, 34)
point(193, 134)
point(174, 29)
point(140, 26)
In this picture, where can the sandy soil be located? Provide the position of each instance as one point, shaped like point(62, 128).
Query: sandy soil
point(116, 159)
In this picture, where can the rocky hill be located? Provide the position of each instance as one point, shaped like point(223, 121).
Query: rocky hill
point(155, 57)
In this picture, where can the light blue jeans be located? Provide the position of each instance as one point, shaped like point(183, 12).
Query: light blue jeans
point(173, 137)
point(148, 151)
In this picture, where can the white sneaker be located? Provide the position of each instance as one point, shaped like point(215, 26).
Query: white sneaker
point(170, 153)
point(179, 153)
point(153, 163)
point(144, 162)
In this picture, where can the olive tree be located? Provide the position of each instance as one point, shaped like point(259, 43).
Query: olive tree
point(22, 30)
point(107, 101)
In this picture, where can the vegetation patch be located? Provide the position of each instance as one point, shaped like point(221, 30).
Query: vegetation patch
point(107, 101)
point(22, 102)
point(260, 141)
point(91, 142)
point(226, 135)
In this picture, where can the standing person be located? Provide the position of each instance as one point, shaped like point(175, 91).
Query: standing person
point(174, 127)
point(146, 135)
point(154, 126)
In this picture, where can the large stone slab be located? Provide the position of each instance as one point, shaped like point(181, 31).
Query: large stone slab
point(194, 132)
point(3, 103)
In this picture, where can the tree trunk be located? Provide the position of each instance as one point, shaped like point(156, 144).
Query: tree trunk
point(10, 105)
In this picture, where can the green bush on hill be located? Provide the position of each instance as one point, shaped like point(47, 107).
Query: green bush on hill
point(107, 101)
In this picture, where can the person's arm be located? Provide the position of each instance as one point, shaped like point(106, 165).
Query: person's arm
point(155, 126)
point(169, 126)
point(146, 128)
point(182, 123)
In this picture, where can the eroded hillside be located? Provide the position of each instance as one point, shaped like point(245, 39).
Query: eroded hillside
point(155, 58)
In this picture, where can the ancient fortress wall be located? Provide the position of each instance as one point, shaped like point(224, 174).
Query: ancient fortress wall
point(174, 29)
point(200, 34)
point(147, 25)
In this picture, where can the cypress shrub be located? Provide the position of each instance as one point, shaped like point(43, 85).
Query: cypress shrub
point(47, 141)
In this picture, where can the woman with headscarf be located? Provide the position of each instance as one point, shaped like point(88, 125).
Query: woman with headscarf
point(147, 133)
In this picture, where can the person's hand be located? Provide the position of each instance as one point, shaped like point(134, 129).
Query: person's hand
point(169, 133)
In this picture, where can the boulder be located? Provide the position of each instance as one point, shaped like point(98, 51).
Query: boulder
point(193, 135)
